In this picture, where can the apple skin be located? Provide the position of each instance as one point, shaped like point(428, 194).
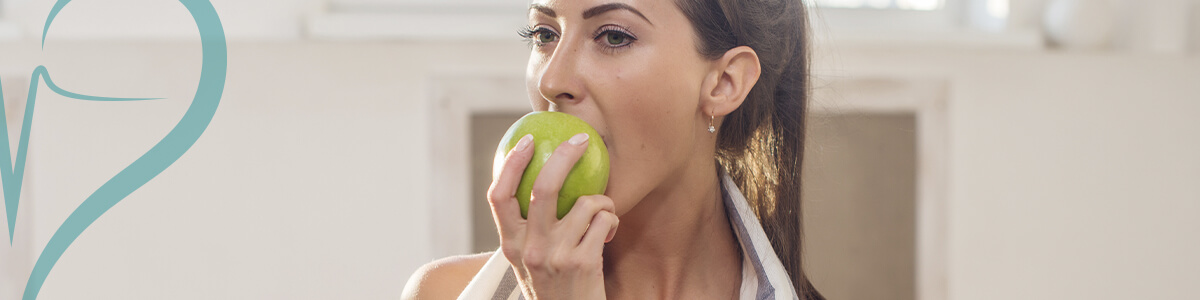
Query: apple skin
point(589, 176)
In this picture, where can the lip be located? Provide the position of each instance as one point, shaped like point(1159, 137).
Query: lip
point(607, 142)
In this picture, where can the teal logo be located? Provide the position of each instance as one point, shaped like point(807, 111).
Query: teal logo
point(150, 164)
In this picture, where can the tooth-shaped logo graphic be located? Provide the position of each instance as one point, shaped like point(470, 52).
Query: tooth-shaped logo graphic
point(150, 164)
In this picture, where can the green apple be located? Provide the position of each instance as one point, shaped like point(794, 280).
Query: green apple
point(589, 176)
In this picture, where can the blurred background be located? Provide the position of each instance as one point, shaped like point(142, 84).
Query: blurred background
point(960, 149)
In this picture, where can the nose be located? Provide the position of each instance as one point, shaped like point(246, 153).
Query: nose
point(560, 82)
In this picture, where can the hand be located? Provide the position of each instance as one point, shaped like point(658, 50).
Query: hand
point(553, 259)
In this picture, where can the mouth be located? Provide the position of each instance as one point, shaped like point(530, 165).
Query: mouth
point(607, 142)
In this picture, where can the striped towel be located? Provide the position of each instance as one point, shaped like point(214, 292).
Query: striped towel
point(763, 276)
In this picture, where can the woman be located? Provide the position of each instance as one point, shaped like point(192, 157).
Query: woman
point(701, 104)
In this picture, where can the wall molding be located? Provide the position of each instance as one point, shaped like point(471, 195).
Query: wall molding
point(452, 101)
point(927, 99)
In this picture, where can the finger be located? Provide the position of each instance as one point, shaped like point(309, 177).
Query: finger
point(577, 221)
point(505, 209)
point(601, 230)
point(543, 204)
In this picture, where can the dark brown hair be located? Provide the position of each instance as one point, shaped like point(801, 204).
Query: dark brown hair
point(761, 144)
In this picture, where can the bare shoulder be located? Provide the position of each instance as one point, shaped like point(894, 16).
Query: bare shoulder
point(444, 278)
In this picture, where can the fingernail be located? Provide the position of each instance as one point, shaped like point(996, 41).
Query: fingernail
point(524, 142)
point(578, 139)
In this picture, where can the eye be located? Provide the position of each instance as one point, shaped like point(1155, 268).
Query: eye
point(613, 36)
point(616, 38)
point(538, 36)
point(545, 36)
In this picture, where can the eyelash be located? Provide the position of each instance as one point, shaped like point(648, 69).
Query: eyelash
point(529, 35)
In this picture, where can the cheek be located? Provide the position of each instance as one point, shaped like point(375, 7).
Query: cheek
point(649, 119)
point(531, 82)
point(652, 126)
point(654, 107)
point(646, 104)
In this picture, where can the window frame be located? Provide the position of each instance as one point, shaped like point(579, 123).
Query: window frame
point(950, 17)
point(958, 24)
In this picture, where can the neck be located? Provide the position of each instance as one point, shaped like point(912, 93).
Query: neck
point(677, 243)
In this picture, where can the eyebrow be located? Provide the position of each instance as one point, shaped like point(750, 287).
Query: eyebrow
point(594, 11)
point(545, 10)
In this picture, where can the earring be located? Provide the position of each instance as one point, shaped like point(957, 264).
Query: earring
point(711, 128)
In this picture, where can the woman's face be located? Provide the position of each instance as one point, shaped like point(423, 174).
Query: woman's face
point(629, 68)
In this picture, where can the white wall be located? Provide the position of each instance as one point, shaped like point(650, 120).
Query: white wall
point(1073, 176)
point(1076, 178)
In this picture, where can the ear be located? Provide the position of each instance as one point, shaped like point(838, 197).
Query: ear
point(729, 81)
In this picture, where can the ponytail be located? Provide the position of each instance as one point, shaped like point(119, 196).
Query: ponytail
point(761, 144)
